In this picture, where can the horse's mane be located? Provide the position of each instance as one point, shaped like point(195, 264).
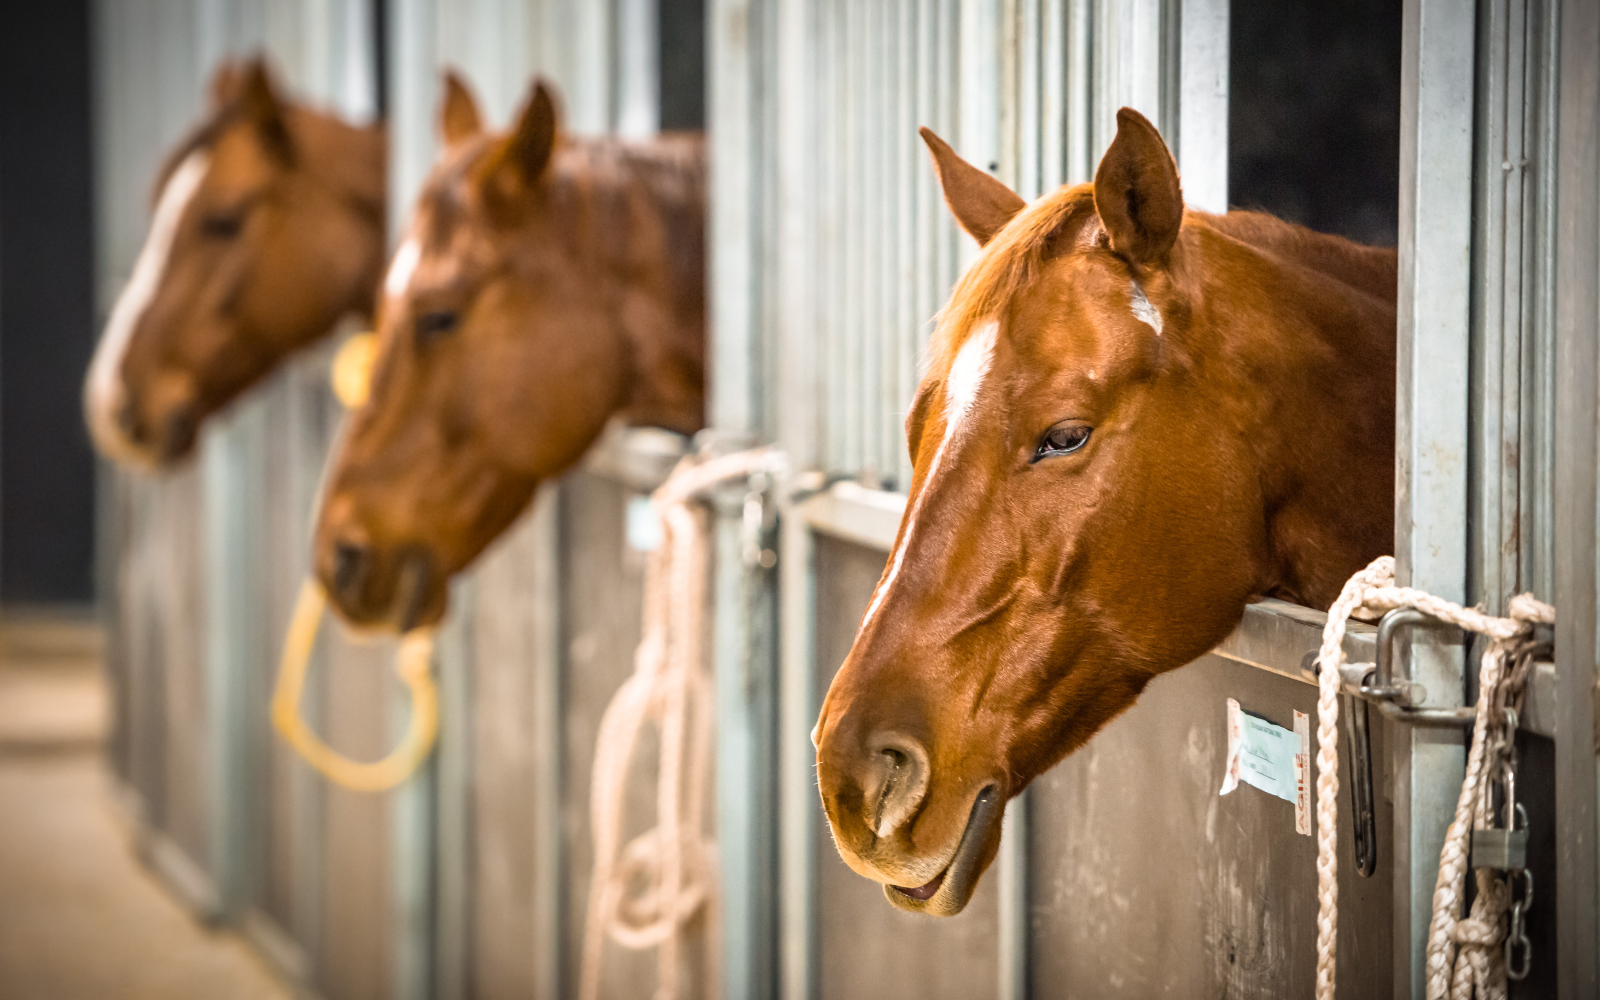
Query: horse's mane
point(1011, 260)
point(670, 168)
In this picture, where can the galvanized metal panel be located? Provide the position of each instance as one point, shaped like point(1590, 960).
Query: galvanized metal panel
point(1229, 909)
point(354, 953)
point(517, 738)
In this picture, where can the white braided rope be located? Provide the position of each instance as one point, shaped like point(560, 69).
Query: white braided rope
point(675, 861)
point(1370, 591)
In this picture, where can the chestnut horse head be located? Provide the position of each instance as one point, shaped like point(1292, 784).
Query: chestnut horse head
point(545, 285)
point(268, 228)
point(1136, 419)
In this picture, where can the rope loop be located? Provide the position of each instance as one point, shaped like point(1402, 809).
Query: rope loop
point(414, 668)
point(647, 892)
point(1464, 960)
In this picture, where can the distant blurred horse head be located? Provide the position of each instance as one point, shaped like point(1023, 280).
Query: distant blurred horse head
point(545, 285)
point(268, 227)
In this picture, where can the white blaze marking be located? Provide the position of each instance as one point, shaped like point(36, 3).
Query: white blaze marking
point(960, 395)
point(1143, 311)
point(402, 268)
point(104, 391)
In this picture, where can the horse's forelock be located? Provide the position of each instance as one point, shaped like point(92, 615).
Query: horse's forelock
point(1011, 260)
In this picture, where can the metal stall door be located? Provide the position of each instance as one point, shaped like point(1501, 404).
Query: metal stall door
point(830, 251)
point(861, 256)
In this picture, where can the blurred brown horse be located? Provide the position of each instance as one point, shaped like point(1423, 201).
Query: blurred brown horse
point(546, 284)
point(268, 227)
point(1136, 419)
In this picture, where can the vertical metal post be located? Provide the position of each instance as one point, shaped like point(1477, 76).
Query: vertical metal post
point(450, 900)
point(549, 868)
point(741, 644)
point(1577, 333)
point(1431, 433)
point(798, 431)
point(413, 83)
point(231, 481)
point(231, 475)
point(638, 81)
point(1202, 115)
point(1014, 873)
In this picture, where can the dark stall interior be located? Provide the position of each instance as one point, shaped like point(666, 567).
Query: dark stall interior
point(47, 315)
point(1314, 115)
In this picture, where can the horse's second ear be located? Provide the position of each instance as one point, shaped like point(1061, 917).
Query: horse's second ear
point(225, 83)
point(1136, 191)
point(979, 202)
point(259, 98)
point(458, 112)
point(526, 152)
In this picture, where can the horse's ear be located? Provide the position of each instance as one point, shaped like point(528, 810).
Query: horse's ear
point(527, 150)
point(979, 202)
point(458, 112)
point(225, 83)
point(1136, 191)
point(264, 109)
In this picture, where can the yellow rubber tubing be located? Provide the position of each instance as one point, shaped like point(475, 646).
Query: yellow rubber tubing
point(413, 668)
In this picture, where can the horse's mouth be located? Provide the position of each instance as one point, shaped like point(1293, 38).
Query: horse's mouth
point(412, 597)
point(948, 892)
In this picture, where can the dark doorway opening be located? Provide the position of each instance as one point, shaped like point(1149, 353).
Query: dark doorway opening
point(1314, 115)
point(46, 303)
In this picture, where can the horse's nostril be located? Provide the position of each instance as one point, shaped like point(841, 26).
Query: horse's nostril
point(177, 432)
point(127, 417)
point(900, 773)
point(351, 564)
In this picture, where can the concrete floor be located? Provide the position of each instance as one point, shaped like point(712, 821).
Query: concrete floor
point(79, 916)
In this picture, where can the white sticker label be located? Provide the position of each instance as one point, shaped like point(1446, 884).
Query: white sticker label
point(644, 527)
point(1272, 758)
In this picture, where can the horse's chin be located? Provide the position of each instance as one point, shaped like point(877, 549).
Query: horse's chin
point(949, 891)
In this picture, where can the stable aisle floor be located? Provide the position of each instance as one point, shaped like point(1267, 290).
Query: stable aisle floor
point(79, 916)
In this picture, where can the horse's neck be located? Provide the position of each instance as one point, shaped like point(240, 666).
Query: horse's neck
point(656, 258)
point(1310, 367)
point(1371, 269)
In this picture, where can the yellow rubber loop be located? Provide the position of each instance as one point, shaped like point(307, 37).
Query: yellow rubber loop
point(351, 372)
point(412, 665)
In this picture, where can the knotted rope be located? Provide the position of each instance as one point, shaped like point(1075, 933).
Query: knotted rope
point(412, 665)
point(1462, 954)
point(669, 687)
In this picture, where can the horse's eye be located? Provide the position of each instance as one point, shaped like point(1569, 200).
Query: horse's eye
point(1062, 439)
point(433, 324)
point(222, 227)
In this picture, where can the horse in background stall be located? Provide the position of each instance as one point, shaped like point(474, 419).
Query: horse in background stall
point(546, 285)
point(268, 228)
point(1137, 418)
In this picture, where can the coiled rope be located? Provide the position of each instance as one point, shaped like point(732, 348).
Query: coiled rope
point(1463, 957)
point(413, 667)
point(351, 378)
point(675, 862)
